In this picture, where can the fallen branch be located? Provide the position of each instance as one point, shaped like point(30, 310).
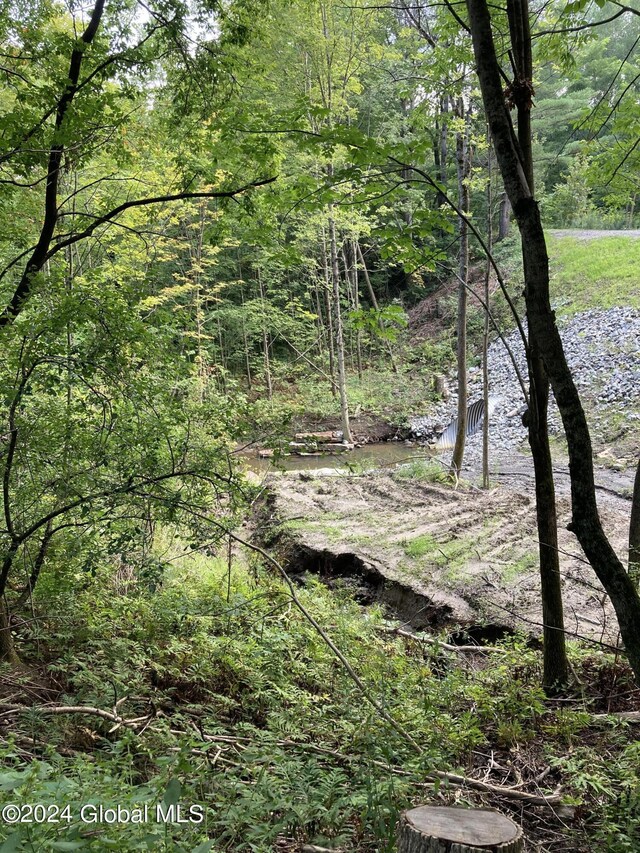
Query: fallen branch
point(439, 775)
point(54, 710)
point(511, 793)
point(626, 716)
point(241, 742)
point(434, 641)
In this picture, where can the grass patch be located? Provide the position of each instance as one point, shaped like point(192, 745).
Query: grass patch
point(321, 524)
point(451, 555)
point(599, 273)
point(420, 546)
point(524, 565)
point(422, 469)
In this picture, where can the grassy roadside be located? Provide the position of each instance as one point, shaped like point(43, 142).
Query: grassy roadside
point(596, 273)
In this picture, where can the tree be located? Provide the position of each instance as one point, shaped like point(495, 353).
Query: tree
point(513, 153)
point(463, 160)
point(97, 421)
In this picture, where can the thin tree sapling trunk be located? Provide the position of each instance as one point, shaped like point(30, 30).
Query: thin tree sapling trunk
point(342, 376)
point(463, 170)
point(374, 303)
point(265, 339)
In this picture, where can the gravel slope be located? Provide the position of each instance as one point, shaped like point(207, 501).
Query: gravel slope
point(603, 351)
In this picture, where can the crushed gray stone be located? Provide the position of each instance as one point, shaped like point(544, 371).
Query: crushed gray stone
point(602, 348)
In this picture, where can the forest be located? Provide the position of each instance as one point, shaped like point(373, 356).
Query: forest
point(320, 426)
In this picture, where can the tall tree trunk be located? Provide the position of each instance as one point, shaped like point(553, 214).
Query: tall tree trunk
point(463, 169)
point(585, 521)
point(342, 376)
point(351, 301)
point(245, 342)
point(317, 306)
point(443, 152)
point(265, 340)
point(223, 360)
point(556, 667)
point(356, 301)
point(328, 298)
point(201, 360)
point(485, 331)
point(504, 219)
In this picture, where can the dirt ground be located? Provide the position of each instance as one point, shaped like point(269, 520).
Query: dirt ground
point(439, 556)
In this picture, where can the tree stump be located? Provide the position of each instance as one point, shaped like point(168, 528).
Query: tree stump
point(440, 386)
point(446, 829)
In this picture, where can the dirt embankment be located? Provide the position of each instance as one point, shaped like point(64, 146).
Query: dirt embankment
point(437, 556)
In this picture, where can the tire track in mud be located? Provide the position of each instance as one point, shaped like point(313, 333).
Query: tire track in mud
point(434, 555)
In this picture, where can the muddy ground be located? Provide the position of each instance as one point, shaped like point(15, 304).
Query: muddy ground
point(439, 557)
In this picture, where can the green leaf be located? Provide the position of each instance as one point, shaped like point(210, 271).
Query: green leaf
point(172, 794)
point(204, 847)
point(13, 842)
point(9, 781)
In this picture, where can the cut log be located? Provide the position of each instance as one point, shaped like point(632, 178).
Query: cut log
point(454, 829)
point(266, 454)
point(334, 435)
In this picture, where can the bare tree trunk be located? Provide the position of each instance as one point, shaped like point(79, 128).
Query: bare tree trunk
point(328, 291)
point(198, 309)
point(585, 521)
point(342, 376)
point(247, 361)
point(8, 652)
point(319, 323)
point(374, 302)
point(463, 168)
point(356, 301)
point(555, 658)
point(443, 153)
point(351, 302)
point(265, 340)
point(223, 360)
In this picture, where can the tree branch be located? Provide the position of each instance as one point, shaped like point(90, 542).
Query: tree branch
point(24, 287)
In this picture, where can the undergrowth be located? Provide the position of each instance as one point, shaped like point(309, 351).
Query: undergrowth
point(245, 712)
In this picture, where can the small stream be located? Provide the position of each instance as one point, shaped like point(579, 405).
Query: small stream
point(374, 455)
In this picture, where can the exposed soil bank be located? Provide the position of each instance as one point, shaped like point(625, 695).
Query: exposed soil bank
point(365, 428)
point(437, 557)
